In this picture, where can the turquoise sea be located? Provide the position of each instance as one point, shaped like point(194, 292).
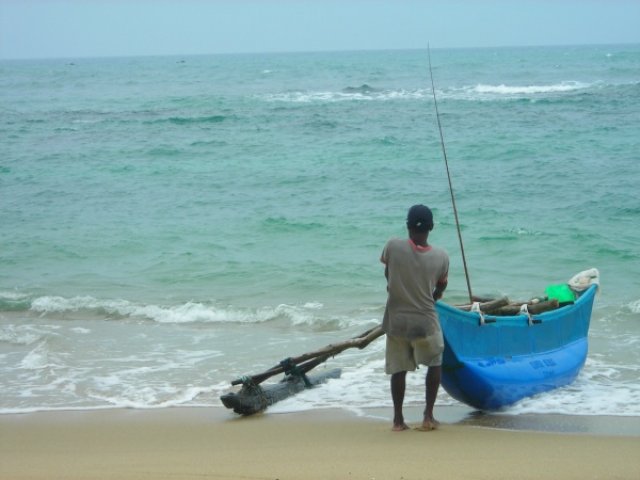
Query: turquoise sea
point(168, 224)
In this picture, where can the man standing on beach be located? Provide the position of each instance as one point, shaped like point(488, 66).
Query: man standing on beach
point(416, 275)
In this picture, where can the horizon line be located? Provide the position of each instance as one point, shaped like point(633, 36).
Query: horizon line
point(285, 52)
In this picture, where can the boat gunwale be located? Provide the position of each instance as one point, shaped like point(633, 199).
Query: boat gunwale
point(521, 319)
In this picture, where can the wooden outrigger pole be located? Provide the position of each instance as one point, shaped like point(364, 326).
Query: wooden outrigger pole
point(317, 356)
point(253, 398)
point(446, 162)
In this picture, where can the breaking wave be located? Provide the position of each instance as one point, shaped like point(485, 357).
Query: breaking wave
point(310, 313)
point(528, 89)
point(478, 92)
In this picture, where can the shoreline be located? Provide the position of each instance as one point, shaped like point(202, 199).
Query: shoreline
point(607, 425)
point(458, 415)
point(187, 442)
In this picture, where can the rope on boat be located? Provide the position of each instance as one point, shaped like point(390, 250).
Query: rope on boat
point(250, 388)
point(290, 368)
point(475, 308)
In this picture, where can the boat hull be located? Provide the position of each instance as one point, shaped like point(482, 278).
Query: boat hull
point(492, 365)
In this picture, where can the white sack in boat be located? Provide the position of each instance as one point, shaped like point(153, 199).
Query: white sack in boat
point(583, 280)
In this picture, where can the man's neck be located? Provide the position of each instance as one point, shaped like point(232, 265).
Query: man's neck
point(419, 238)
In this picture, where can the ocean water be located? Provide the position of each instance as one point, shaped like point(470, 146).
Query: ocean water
point(168, 224)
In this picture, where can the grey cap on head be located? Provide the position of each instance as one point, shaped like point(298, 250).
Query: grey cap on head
point(420, 218)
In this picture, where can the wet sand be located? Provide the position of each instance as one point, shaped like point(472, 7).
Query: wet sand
point(213, 443)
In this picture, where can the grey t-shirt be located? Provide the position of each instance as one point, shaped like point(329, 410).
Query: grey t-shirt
point(413, 273)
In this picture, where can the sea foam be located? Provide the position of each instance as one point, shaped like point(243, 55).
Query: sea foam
point(528, 89)
point(310, 313)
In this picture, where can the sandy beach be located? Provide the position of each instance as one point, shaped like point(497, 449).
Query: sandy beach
point(213, 443)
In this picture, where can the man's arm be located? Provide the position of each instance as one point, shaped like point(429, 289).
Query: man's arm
point(383, 259)
point(442, 283)
point(441, 286)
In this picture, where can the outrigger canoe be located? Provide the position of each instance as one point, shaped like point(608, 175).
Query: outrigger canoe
point(491, 362)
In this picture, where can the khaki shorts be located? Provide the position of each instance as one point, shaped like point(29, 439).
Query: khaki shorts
point(404, 355)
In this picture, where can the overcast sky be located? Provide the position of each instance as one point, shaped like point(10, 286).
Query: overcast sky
point(74, 28)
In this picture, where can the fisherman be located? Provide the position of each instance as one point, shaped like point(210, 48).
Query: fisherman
point(416, 275)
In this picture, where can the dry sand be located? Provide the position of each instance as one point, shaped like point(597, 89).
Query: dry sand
point(199, 443)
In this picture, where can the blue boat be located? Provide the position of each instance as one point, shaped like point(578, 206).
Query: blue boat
point(491, 362)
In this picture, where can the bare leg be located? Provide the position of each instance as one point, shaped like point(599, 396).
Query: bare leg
point(432, 384)
point(398, 384)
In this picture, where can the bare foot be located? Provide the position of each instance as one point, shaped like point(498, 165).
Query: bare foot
point(399, 427)
point(428, 425)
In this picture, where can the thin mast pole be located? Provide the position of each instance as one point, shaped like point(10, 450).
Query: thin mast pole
point(446, 162)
